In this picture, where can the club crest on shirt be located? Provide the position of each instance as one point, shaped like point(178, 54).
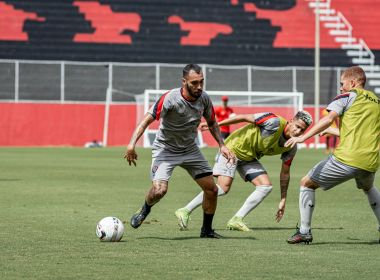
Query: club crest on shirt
point(154, 169)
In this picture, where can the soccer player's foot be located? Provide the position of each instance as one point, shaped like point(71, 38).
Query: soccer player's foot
point(236, 223)
point(183, 216)
point(209, 234)
point(299, 237)
point(138, 218)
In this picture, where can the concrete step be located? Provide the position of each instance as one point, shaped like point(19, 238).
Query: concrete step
point(373, 75)
point(326, 12)
point(360, 53)
point(321, 5)
point(335, 25)
point(370, 68)
point(329, 18)
point(345, 40)
point(374, 83)
point(351, 46)
point(362, 61)
point(339, 32)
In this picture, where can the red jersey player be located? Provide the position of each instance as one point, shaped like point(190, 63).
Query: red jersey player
point(222, 113)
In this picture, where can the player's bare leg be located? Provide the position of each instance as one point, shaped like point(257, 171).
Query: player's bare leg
point(156, 192)
point(183, 214)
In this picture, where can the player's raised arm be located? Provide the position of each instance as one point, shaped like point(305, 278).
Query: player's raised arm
point(330, 130)
point(238, 119)
point(131, 154)
point(233, 120)
point(321, 125)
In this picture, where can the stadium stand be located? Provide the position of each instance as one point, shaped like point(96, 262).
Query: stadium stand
point(163, 31)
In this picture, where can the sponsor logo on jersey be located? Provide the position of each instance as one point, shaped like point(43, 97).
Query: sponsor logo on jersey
point(376, 100)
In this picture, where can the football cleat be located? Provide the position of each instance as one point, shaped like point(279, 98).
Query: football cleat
point(236, 223)
point(183, 216)
point(138, 218)
point(299, 237)
point(209, 234)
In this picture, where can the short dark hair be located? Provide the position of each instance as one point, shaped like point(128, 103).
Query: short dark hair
point(195, 67)
point(355, 73)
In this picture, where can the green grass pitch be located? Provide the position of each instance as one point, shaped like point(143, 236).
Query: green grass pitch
point(52, 198)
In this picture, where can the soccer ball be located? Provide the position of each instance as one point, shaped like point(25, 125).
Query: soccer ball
point(110, 229)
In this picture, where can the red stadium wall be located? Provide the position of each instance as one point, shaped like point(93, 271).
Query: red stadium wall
point(36, 124)
point(31, 124)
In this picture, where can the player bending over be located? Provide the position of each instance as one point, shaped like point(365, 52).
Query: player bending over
point(265, 134)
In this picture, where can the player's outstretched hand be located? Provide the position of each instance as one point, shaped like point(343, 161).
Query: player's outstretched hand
point(203, 126)
point(293, 141)
point(230, 156)
point(130, 155)
point(280, 211)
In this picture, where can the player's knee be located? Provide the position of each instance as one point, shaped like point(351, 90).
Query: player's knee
point(223, 188)
point(307, 182)
point(160, 189)
point(211, 190)
point(265, 189)
point(161, 192)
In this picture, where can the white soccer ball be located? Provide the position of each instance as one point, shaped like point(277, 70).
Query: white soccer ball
point(110, 229)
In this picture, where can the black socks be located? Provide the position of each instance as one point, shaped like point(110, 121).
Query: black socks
point(207, 222)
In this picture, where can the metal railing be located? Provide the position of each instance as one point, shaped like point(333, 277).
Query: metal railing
point(68, 82)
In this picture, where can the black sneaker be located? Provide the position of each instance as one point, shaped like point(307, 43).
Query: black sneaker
point(209, 234)
point(138, 218)
point(299, 237)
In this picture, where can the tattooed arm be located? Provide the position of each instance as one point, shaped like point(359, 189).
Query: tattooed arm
point(215, 132)
point(284, 184)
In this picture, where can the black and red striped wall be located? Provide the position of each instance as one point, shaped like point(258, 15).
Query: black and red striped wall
point(227, 32)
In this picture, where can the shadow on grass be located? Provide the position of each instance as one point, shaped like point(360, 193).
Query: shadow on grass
point(113, 242)
point(346, 243)
point(293, 228)
point(9, 180)
point(197, 237)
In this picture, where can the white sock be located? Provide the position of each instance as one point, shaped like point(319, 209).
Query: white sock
point(373, 195)
point(198, 200)
point(306, 205)
point(254, 200)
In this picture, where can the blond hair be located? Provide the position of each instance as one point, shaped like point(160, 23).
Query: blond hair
point(355, 73)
